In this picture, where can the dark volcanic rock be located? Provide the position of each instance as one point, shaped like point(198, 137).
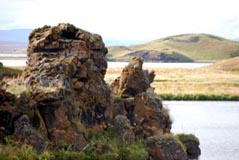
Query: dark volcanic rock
point(65, 73)
point(65, 79)
point(148, 117)
point(133, 79)
point(8, 110)
point(164, 148)
point(191, 144)
point(123, 128)
point(143, 109)
point(26, 132)
point(20, 117)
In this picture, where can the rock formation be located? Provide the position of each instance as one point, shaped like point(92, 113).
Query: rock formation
point(144, 110)
point(165, 148)
point(65, 76)
point(66, 98)
point(133, 79)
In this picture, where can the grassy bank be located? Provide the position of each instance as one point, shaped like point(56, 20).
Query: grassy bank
point(217, 82)
point(104, 146)
point(199, 97)
point(10, 71)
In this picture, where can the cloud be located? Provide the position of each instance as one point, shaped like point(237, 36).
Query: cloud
point(123, 19)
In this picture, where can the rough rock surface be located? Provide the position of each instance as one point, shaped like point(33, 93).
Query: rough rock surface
point(21, 118)
point(143, 109)
point(148, 117)
point(65, 73)
point(192, 149)
point(133, 79)
point(123, 129)
point(191, 144)
point(165, 149)
point(65, 76)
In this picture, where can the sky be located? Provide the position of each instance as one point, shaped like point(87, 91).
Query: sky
point(127, 20)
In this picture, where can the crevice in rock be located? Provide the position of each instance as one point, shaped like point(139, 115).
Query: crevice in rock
point(47, 113)
point(6, 121)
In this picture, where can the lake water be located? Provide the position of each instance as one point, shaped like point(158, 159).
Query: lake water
point(215, 123)
point(13, 55)
point(22, 62)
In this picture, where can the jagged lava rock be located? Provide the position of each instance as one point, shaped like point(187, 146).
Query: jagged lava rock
point(160, 148)
point(123, 129)
point(133, 79)
point(21, 118)
point(148, 117)
point(65, 74)
point(143, 109)
point(191, 143)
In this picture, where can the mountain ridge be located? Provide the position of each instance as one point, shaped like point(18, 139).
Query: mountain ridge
point(179, 48)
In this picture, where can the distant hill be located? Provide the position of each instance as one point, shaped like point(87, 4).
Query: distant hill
point(14, 41)
point(180, 48)
point(15, 35)
point(13, 47)
point(231, 64)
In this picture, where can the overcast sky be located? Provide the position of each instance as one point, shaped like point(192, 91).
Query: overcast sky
point(129, 20)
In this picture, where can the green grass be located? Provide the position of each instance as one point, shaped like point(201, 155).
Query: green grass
point(199, 97)
point(104, 146)
point(188, 47)
point(219, 81)
point(18, 89)
point(10, 71)
point(187, 137)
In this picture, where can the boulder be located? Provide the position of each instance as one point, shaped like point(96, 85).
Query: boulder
point(27, 133)
point(8, 110)
point(148, 117)
point(165, 148)
point(20, 118)
point(123, 129)
point(191, 144)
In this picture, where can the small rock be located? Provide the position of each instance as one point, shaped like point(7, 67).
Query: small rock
point(123, 128)
point(165, 148)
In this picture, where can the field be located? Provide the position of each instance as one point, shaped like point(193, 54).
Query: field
point(217, 82)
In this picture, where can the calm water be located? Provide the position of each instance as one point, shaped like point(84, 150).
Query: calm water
point(161, 65)
point(13, 55)
point(22, 62)
point(215, 123)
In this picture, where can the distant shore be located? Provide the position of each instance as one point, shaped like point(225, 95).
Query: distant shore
point(13, 58)
point(201, 84)
point(218, 82)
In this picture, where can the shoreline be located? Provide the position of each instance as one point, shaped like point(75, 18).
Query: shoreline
point(198, 97)
point(13, 58)
point(171, 84)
